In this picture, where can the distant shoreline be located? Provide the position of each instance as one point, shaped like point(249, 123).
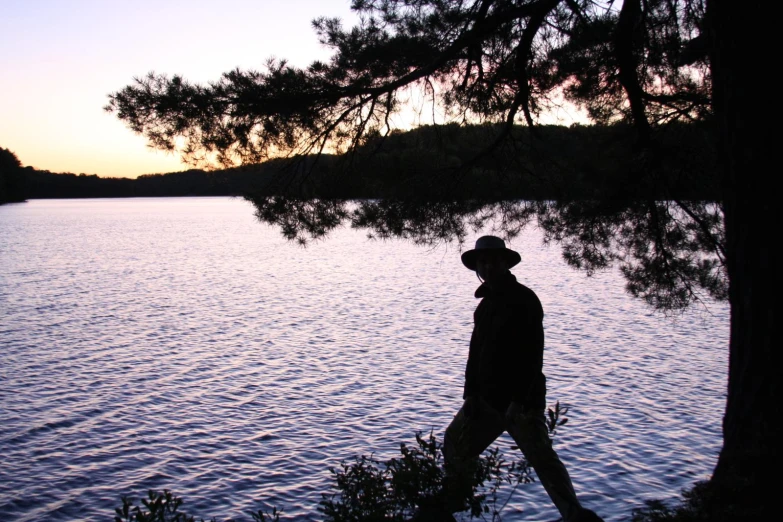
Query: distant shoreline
point(580, 162)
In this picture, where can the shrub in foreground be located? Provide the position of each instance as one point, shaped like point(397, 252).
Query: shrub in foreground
point(705, 502)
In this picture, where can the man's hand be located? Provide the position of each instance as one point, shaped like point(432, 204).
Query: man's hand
point(513, 411)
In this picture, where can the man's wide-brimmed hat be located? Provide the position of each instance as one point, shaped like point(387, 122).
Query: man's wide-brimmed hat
point(492, 243)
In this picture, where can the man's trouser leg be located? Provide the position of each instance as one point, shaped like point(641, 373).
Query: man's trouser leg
point(530, 433)
point(466, 438)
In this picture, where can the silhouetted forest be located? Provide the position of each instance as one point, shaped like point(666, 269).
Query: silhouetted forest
point(553, 162)
point(12, 178)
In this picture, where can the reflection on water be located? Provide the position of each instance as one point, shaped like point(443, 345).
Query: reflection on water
point(178, 343)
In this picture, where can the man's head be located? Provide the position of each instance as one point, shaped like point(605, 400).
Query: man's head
point(490, 259)
point(491, 265)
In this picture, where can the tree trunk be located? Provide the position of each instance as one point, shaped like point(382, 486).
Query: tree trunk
point(748, 463)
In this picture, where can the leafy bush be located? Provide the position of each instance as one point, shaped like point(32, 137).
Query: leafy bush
point(369, 490)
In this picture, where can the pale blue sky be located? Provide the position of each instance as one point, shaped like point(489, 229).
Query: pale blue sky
point(60, 59)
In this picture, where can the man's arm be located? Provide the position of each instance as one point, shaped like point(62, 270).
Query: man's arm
point(528, 350)
point(471, 370)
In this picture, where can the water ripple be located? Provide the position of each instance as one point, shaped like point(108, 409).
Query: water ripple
point(177, 343)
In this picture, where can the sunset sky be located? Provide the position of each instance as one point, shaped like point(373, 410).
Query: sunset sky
point(61, 58)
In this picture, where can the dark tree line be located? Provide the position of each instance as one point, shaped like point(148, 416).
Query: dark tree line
point(409, 161)
point(12, 178)
point(650, 64)
point(194, 182)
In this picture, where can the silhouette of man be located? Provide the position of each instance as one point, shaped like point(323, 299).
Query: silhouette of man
point(505, 387)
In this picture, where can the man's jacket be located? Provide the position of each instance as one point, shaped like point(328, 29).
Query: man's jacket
point(507, 347)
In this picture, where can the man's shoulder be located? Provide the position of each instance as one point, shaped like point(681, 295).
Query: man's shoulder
point(525, 291)
point(527, 297)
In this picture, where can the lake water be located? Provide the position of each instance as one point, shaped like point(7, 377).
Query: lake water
point(178, 343)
